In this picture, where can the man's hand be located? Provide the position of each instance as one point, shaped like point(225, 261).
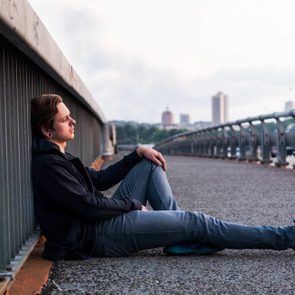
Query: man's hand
point(152, 155)
point(144, 208)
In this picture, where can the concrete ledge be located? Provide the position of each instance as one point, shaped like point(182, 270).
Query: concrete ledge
point(33, 274)
point(23, 28)
point(4, 286)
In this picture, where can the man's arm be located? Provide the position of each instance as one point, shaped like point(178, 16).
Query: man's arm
point(106, 178)
point(58, 183)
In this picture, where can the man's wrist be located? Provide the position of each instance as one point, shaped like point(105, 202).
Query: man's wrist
point(136, 205)
point(139, 151)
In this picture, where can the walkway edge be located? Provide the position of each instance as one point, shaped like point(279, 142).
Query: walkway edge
point(33, 274)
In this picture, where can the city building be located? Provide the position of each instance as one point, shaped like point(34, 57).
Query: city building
point(184, 119)
point(289, 105)
point(167, 119)
point(198, 125)
point(219, 108)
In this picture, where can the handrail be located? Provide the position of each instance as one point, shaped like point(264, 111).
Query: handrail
point(32, 64)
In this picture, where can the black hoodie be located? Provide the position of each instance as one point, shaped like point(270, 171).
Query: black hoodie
point(68, 202)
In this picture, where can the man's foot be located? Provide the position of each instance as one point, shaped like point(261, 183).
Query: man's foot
point(191, 248)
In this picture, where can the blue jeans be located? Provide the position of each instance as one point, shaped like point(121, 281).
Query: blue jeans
point(167, 225)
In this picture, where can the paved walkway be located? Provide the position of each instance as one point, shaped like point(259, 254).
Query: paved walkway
point(238, 192)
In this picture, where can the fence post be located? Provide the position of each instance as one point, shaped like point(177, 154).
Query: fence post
point(211, 143)
point(253, 142)
point(219, 143)
point(242, 143)
point(225, 143)
point(201, 144)
point(233, 142)
point(265, 144)
point(281, 144)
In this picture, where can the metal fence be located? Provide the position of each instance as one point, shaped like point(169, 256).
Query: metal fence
point(264, 138)
point(20, 80)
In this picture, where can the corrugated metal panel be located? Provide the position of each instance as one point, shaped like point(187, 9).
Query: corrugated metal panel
point(21, 80)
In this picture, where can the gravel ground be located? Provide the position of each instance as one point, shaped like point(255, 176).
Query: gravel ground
point(233, 191)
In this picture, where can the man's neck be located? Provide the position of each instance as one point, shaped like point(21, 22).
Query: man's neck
point(61, 145)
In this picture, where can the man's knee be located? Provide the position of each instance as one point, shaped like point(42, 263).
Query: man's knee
point(149, 164)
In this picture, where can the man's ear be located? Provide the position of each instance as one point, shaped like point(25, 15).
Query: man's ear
point(46, 132)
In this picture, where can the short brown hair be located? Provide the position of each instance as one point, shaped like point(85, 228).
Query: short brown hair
point(43, 111)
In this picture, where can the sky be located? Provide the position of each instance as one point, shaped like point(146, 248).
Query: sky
point(138, 57)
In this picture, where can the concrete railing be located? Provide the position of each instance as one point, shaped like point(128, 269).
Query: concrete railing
point(253, 139)
point(32, 64)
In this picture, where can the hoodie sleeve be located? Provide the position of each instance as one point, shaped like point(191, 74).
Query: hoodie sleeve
point(106, 178)
point(57, 182)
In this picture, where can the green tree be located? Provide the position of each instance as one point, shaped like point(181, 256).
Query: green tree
point(132, 133)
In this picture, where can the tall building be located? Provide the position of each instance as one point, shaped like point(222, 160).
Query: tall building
point(167, 118)
point(184, 119)
point(219, 108)
point(289, 105)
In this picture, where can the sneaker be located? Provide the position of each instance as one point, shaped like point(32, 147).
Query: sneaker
point(191, 248)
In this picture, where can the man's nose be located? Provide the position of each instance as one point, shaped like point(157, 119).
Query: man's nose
point(72, 121)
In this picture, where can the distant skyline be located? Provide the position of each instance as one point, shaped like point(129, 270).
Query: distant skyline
point(137, 57)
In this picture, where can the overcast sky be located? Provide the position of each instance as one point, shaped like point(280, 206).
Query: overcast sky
point(138, 57)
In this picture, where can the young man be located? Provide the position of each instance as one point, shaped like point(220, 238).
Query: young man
point(78, 221)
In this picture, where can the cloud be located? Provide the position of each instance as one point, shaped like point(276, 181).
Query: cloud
point(137, 64)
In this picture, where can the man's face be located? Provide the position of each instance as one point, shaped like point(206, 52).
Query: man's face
point(63, 124)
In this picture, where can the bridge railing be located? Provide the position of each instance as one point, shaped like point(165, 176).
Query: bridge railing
point(264, 138)
point(32, 64)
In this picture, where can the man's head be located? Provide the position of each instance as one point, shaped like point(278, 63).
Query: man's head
point(43, 111)
point(51, 119)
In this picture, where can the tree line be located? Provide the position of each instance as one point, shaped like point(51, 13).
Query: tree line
point(134, 133)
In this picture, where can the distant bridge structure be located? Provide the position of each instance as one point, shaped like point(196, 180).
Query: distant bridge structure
point(266, 139)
